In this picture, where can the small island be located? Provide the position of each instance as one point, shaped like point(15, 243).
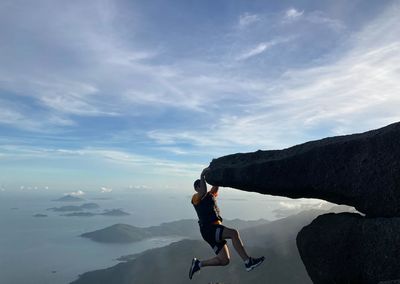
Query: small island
point(80, 214)
point(69, 198)
point(118, 233)
point(114, 212)
point(40, 215)
point(74, 208)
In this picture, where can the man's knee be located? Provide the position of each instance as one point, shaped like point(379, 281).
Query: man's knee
point(235, 234)
point(232, 234)
point(224, 261)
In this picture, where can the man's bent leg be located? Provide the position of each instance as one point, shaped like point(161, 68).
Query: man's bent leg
point(221, 259)
point(233, 234)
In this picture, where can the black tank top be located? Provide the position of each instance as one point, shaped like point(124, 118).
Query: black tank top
point(207, 210)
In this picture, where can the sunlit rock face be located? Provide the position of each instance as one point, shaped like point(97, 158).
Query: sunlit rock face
point(349, 248)
point(360, 170)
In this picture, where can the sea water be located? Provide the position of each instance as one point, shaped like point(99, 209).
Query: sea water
point(50, 249)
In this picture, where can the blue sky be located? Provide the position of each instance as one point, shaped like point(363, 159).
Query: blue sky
point(98, 95)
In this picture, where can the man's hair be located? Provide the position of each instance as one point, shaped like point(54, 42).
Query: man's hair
point(196, 183)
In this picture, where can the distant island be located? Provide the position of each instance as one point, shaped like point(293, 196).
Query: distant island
point(107, 212)
point(114, 212)
point(124, 233)
point(69, 198)
point(118, 233)
point(72, 208)
point(80, 214)
point(102, 198)
point(40, 215)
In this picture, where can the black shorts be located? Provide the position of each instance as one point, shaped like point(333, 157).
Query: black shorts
point(212, 234)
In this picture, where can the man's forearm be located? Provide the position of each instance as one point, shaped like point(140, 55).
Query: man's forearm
point(203, 185)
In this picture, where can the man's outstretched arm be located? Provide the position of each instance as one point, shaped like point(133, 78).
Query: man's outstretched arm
point(203, 185)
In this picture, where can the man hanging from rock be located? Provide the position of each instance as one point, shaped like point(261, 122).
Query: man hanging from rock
point(213, 232)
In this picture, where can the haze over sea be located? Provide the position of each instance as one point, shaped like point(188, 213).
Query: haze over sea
point(49, 249)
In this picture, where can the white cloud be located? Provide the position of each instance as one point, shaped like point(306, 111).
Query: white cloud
point(105, 189)
point(141, 163)
point(258, 49)
point(78, 74)
point(175, 150)
point(262, 47)
point(315, 17)
point(247, 19)
point(28, 188)
point(76, 193)
point(353, 92)
point(145, 163)
point(12, 114)
point(139, 187)
point(130, 58)
point(318, 17)
point(292, 14)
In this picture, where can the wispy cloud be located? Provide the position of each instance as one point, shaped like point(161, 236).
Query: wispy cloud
point(258, 49)
point(353, 92)
point(139, 187)
point(262, 47)
point(105, 189)
point(292, 14)
point(320, 18)
point(76, 193)
point(145, 164)
point(74, 81)
point(247, 19)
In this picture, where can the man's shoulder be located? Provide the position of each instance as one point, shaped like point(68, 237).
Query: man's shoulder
point(196, 198)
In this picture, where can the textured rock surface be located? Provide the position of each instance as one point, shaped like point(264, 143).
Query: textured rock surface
point(348, 248)
point(361, 170)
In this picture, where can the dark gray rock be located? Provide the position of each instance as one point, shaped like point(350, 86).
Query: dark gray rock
point(360, 170)
point(349, 248)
